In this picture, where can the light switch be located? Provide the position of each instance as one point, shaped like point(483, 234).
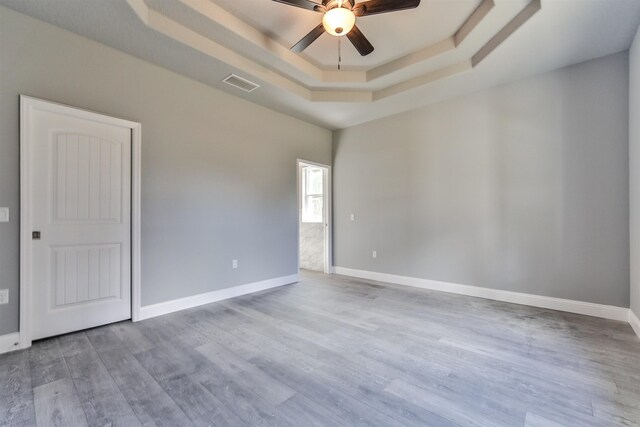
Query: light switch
point(353, 217)
point(4, 214)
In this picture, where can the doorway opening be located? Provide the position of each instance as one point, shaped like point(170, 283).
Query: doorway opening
point(314, 216)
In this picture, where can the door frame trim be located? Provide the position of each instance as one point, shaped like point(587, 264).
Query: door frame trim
point(328, 238)
point(27, 105)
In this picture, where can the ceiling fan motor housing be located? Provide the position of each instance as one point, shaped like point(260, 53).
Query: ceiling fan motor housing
point(330, 4)
point(339, 19)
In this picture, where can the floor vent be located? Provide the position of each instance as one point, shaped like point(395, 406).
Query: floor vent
point(240, 83)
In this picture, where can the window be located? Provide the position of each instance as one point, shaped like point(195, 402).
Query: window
point(312, 194)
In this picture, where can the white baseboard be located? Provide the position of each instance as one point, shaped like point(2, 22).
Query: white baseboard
point(9, 342)
point(571, 306)
point(634, 322)
point(167, 307)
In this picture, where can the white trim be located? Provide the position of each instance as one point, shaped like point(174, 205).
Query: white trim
point(27, 104)
point(167, 307)
point(328, 214)
point(328, 266)
point(9, 342)
point(634, 322)
point(136, 221)
point(571, 306)
point(25, 226)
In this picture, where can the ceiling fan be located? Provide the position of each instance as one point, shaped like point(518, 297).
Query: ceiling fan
point(340, 19)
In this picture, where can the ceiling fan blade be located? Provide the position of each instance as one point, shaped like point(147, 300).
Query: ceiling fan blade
point(359, 41)
point(308, 39)
point(304, 4)
point(373, 7)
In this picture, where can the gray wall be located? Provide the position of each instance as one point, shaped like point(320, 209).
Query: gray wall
point(634, 170)
point(219, 173)
point(523, 187)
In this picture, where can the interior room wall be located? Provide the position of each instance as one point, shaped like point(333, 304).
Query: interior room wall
point(522, 187)
point(218, 172)
point(634, 170)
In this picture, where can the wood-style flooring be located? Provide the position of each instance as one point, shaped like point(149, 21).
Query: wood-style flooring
point(333, 351)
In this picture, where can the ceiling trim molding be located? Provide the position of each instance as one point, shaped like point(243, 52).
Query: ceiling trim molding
point(240, 28)
point(221, 17)
point(414, 58)
point(448, 44)
point(424, 79)
point(472, 22)
point(191, 38)
point(182, 34)
point(502, 35)
point(341, 96)
point(507, 30)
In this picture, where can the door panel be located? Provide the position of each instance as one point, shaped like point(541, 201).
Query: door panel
point(86, 273)
point(81, 205)
point(87, 178)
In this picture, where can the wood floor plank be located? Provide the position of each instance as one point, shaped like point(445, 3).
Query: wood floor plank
point(57, 404)
point(131, 337)
point(305, 412)
point(253, 338)
point(46, 362)
point(622, 412)
point(459, 411)
point(333, 350)
point(245, 373)
point(100, 397)
point(534, 420)
point(232, 391)
point(349, 409)
point(151, 404)
point(16, 394)
point(192, 398)
point(362, 384)
point(241, 400)
point(14, 357)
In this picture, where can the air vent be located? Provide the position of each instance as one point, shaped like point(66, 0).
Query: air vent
point(240, 83)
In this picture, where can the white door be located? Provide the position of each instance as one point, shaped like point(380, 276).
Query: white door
point(81, 218)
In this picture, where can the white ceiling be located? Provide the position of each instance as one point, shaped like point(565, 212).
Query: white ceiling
point(203, 43)
point(392, 34)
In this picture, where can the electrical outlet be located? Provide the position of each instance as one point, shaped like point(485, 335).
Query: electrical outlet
point(4, 214)
point(234, 263)
point(374, 254)
point(4, 296)
point(353, 217)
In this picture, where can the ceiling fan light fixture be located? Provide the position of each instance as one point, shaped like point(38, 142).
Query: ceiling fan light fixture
point(338, 21)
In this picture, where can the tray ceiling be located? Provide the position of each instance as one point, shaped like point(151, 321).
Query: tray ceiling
point(441, 49)
point(393, 34)
point(467, 31)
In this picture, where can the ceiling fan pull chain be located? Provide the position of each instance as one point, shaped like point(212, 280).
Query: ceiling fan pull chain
point(339, 53)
